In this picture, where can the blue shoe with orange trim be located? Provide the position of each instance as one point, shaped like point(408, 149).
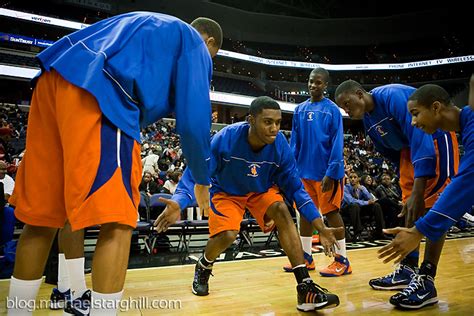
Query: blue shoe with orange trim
point(308, 260)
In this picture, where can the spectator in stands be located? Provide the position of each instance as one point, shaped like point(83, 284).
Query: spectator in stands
point(7, 218)
point(369, 183)
point(172, 182)
point(389, 197)
point(150, 163)
point(94, 135)
point(147, 188)
point(8, 182)
point(235, 118)
point(5, 150)
point(358, 201)
point(170, 152)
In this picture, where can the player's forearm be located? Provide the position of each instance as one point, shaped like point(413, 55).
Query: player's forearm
point(419, 186)
point(318, 223)
point(434, 225)
point(309, 211)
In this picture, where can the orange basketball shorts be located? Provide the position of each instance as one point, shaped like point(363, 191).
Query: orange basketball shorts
point(77, 166)
point(447, 162)
point(228, 210)
point(328, 201)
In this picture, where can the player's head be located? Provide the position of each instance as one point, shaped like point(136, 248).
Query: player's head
point(265, 119)
point(211, 33)
point(317, 83)
point(349, 96)
point(425, 105)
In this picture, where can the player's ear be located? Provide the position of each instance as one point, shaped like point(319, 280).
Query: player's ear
point(436, 106)
point(251, 119)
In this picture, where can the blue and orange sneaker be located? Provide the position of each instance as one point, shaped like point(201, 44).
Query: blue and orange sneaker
point(397, 280)
point(308, 260)
point(340, 266)
point(58, 299)
point(419, 293)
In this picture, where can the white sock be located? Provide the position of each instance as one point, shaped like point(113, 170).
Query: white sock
point(105, 304)
point(22, 296)
point(342, 248)
point(77, 278)
point(307, 243)
point(63, 274)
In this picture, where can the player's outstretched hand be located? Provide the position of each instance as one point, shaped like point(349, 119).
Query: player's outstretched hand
point(328, 239)
point(169, 216)
point(406, 240)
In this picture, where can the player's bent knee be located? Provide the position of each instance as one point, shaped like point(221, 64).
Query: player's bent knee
point(228, 236)
point(115, 229)
point(278, 211)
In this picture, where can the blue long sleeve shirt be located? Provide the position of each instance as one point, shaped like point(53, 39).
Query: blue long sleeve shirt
point(389, 127)
point(359, 196)
point(237, 170)
point(458, 197)
point(141, 66)
point(317, 140)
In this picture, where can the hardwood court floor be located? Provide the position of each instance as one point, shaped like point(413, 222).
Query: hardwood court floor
point(260, 287)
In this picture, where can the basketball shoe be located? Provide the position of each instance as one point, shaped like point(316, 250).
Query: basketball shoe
point(308, 260)
point(419, 293)
point(340, 266)
point(58, 299)
point(397, 280)
point(79, 306)
point(313, 297)
point(201, 279)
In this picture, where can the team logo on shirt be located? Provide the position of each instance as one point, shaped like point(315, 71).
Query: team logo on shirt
point(380, 130)
point(253, 170)
point(310, 116)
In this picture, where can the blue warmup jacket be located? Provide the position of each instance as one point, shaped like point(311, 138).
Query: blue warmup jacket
point(237, 170)
point(389, 127)
point(317, 140)
point(141, 66)
point(458, 197)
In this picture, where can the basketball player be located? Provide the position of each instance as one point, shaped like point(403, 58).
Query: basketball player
point(426, 164)
point(250, 163)
point(317, 142)
point(432, 109)
point(96, 88)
